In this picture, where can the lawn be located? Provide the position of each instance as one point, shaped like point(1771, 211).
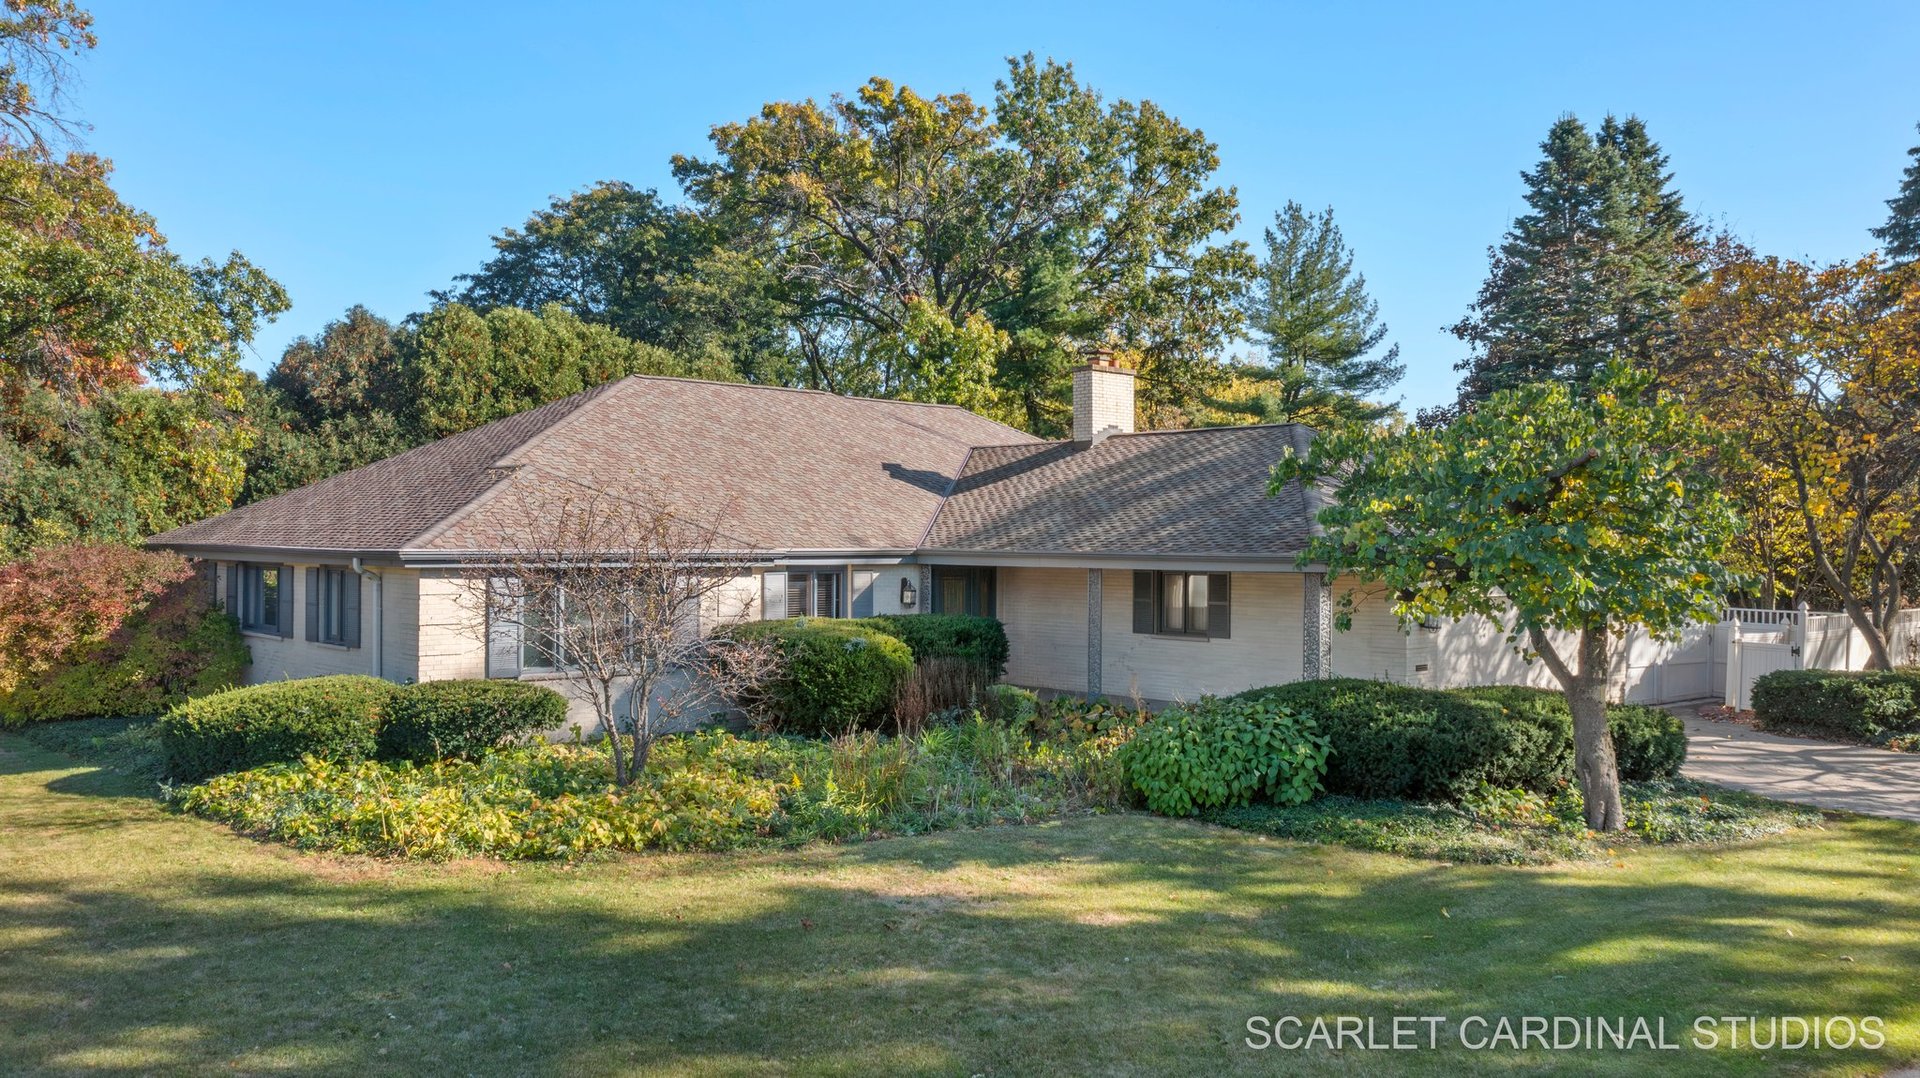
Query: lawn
point(135, 940)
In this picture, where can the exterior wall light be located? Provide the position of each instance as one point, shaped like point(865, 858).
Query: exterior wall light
point(909, 594)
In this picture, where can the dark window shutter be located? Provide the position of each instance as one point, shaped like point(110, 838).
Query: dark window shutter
point(350, 609)
point(503, 631)
point(313, 604)
point(286, 601)
point(1219, 606)
point(233, 590)
point(863, 595)
point(1143, 592)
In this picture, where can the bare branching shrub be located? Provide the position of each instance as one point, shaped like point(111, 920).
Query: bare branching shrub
point(624, 598)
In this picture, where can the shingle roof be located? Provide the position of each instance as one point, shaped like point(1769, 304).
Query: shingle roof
point(792, 470)
point(1188, 492)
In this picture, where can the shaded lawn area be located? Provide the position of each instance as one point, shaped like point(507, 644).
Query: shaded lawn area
point(133, 941)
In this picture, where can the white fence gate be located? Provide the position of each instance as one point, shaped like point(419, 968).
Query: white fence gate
point(1774, 641)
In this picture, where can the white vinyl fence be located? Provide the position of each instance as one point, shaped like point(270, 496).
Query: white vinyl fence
point(1706, 662)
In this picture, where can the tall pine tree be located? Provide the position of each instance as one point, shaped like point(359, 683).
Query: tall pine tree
point(1592, 273)
point(1321, 330)
point(1901, 233)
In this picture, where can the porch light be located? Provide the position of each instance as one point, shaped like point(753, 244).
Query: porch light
point(908, 593)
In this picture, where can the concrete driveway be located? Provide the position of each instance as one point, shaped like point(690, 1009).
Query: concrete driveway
point(1872, 781)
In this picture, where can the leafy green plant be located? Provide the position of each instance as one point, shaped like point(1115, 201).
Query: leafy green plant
point(439, 720)
point(835, 675)
point(330, 718)
point(1218, 753)
point(1862, 705)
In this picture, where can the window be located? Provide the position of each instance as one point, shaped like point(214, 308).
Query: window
point(816, 595)
point(1182, 604)
point(541, 648)
point(963, 589)
point(260, 597)
point(333, 606)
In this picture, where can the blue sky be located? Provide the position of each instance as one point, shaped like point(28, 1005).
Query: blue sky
point(364, 153)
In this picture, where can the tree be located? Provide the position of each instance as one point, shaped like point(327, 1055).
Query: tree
point(1312, 312)
point(1591, 275)
point(628, 598)
point(36, 37)
point(1548, 510)
point(1901, 233)
point(353, 368)
point(119, 362)
point(901, 233)
point(465, 368)
point(1816, 373)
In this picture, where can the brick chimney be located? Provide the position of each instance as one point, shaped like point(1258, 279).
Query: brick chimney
point(1102, 399)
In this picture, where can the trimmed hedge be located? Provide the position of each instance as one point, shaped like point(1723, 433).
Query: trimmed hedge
point(1399, 741)
point(979, 641)
point(333, 718)
point(445, 720)
point(836, 675)
point(1860, 705)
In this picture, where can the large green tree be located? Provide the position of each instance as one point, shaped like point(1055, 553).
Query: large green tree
point(1901, 233)
point(119, 361)
point(1568, 517)
point(1321, 331)
point(1591, 274)
point(929, 247)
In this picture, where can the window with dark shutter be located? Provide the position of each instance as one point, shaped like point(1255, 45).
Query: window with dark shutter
point(261, 598)
point(333, 606)
point(814, 595)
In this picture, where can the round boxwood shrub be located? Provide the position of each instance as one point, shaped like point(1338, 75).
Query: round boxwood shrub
point(333, 718)
point(835, 675)
point(445, 720)
point(1220, 753)
point(1648, 742)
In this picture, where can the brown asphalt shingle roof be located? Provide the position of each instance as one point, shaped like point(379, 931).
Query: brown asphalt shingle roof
point(783, 469)
point(1188, 492)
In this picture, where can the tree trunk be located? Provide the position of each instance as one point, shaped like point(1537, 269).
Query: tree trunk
point(1879, 649)
point(1594, 764)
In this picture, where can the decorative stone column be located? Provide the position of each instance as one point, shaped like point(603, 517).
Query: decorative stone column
point(1316, 627)
point(926, 590)
point(1095, 578)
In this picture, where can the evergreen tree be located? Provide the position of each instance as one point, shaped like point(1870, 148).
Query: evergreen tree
point(1591, 274)
point(1320, 328)
point(1901, 233)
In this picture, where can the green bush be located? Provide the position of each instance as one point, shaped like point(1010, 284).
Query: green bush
point(1400, 741)
point(1648, 742)
point(835, 676)
point(980, 642)
point(1861, 705)
point(334, 718)
point(443, 720)
point(1219, 753)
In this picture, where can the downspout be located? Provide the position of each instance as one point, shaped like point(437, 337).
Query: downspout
point(379, 616)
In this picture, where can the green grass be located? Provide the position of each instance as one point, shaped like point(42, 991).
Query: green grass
point(134, 940)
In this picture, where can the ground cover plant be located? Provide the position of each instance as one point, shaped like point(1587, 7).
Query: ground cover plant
point(1520, 827)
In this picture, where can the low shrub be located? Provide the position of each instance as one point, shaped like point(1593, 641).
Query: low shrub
point(978, 641)
point(1405, 742)
point(1648, 742)
point(1218, 753)
point(90, 630)
point(442, 720)
point(1860, 705)
point(835, 675)
point(1011, 705)
point(331, 718)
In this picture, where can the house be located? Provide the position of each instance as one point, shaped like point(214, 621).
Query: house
point(1124, 563)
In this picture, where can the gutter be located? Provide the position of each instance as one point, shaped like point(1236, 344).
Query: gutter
point(379, 616)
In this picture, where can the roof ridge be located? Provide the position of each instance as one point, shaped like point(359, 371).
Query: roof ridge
point(804, 389)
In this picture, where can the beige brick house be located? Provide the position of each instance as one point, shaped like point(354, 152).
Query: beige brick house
point(1149, 563)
